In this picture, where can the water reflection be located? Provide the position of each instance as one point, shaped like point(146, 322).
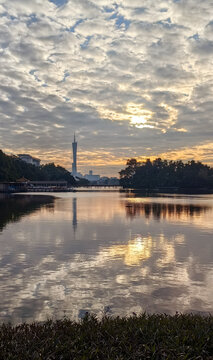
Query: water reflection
point(164, 210)
point(74, 211)
point(134, 252)
point(84, 252)
point(13, 208)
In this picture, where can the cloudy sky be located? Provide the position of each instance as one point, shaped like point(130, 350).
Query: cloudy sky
point(132, 78)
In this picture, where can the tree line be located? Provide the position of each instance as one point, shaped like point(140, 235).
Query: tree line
point(166, 174)
point(12, 168)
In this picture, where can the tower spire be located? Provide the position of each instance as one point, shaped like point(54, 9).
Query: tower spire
point(74, 164)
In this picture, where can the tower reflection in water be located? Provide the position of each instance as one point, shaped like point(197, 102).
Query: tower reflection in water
point(74, 212)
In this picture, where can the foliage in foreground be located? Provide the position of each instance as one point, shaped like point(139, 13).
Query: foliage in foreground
point(137, 337)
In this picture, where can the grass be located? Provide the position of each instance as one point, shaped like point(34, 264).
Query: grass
point(137, 337)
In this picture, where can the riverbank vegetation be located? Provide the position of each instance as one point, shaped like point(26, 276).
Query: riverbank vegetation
point(12, 168)
point(137, 337)
point(166, 174)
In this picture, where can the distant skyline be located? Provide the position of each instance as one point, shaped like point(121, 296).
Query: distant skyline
point(130, 78)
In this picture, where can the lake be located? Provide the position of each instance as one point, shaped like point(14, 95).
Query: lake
point(105, 252)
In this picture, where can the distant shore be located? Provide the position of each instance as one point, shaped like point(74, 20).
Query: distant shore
point(170, 190)
point(188, 336)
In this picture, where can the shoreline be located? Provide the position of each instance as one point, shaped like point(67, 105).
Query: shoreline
point(179, 191)
point(145, 192)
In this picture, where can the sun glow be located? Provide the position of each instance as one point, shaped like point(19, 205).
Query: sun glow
point(140, 121)
point(139, 116)
point(134, 113)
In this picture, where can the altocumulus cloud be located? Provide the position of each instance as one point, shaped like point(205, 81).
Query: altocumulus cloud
point(131, 78)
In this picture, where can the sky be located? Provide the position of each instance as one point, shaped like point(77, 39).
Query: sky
point(131, 78)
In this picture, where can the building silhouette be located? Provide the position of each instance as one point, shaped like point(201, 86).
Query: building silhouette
point(29, 159)
point(92, 177)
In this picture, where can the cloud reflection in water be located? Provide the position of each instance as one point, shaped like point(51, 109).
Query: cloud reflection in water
point(67, 257)
point(134, 251)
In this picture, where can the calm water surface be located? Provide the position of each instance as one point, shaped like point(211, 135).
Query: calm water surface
point(104, 252)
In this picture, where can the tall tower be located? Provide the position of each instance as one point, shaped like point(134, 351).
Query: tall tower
point(74, 164)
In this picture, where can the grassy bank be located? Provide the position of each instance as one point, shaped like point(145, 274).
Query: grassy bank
point(136, 337)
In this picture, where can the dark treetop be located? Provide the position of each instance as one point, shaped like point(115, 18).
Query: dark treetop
point(163, 174)
point(12, 168)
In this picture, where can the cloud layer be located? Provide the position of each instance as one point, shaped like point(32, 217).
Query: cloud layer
point(129, 79)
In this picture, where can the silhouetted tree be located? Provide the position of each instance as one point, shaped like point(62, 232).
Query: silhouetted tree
point(13, 168)
point(163, 173)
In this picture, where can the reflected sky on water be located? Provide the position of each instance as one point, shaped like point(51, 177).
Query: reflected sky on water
point(114, 252)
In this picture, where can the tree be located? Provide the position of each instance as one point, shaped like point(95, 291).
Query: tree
point(126, 175)
point(13, 168)
point(162, 173)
